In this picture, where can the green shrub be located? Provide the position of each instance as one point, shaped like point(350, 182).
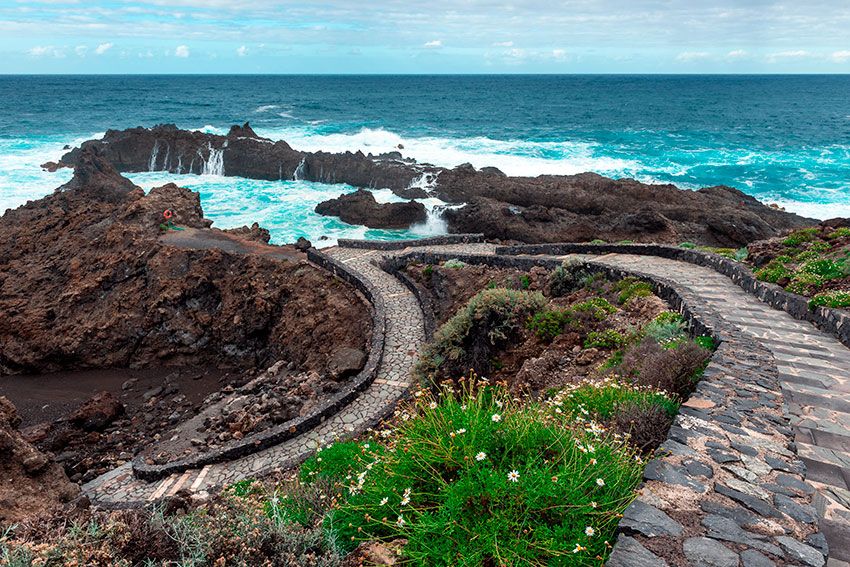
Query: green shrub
point(800, 236)
point(565, 279)
point(333, 463)
point(835, 299)
point(477, 480)
point(774, 272)
point(524, 281)
point(550, 323)
point(667, 329)
point(804, 283)
point(824, 268)
point(428, 270)
point(741, 254)
point(688, 245)
point(706, 342)
point(601, 400)
point(245, 487)
point(842, 232)
point(453, 263)
point(609, 338)
point(597, 307)
point(630, 288)
point(626, 242)
point(597, 241)
point(487, 321)
point(819, 247)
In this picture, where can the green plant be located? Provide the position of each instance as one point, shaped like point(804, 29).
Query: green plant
point(597, 307)
point(741, 254)
point(626, 242)
point(773, 272)
point(609, 338)
point(823, 268)
point(667, 329)
point(489, 319)
point(476, 479)
point(819, 246)
point(842, 232)
point(245, 487)
point(706, 342)
point(602, 399)
point(453, 263)
point(631, 288)
point(800, 236)
point(565, 279)
point(548, 324)
point(524, 281)
point(334, 462)
point(428, 270)
point(597, 241)
point(836, 299)
point(688, 245)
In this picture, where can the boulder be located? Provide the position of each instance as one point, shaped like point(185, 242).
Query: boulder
point(361, 208)
point(98, 412)
point(346, 362)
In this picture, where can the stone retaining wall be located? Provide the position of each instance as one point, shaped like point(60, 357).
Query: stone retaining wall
point(419, 242)
point(833, 321)
point(279, 433)
point(726, 488)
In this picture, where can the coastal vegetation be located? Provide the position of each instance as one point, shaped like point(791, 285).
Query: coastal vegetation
point(481, 466)
point(814, 262)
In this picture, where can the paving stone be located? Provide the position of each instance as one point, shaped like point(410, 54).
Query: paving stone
point(705, 552)
point(649, 521)
point(801, 552)
point(752, 558)
point(628, 552)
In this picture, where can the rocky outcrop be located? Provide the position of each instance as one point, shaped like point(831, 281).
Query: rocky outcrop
point(89, 279)
point(546, 208)
point(361, 208)
point(32, 484)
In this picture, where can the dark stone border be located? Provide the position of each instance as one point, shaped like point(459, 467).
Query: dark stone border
point(836, 322)
point(739, 389)
point(294, 427)
point(416, 242)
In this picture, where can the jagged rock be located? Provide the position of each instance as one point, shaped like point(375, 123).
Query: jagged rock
point(254, 233)
point(32, 485)
point(89, 278)
point(361, 208)
point(302, 244)
point(547, 208)
point(98, 412)
point(345, 362)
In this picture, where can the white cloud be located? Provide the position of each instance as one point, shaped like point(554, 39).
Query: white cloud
point(559, 54)
point(433, 44)
point(242, 51)
point(182, 51)
point(796, 54)
point(81, 50)
point(736, 54)
point(688, 56)
point(841, 56)
point(103, 48)
point(46, 51)
point(503, 44)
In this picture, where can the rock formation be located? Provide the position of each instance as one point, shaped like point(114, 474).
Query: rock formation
point(88, 279)
point(32, 485)
point(360, 207)
point(546, 208)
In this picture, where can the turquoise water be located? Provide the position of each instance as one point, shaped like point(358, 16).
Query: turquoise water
point(783, 139)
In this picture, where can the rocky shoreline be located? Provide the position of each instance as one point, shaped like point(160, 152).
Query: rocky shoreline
point(547, 208)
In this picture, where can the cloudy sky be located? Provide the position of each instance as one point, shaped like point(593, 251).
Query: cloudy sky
point(438, 36)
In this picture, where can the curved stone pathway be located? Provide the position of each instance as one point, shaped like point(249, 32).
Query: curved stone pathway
point(814, 374)
point(119, 488)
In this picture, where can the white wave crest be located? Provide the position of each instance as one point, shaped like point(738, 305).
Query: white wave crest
point(513, 157)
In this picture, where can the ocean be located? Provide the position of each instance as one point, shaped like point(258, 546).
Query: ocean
point(782, 139)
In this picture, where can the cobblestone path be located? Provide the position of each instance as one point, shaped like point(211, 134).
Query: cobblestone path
point(814, 370)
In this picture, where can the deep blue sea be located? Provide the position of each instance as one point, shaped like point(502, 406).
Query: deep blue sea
point(783, 139)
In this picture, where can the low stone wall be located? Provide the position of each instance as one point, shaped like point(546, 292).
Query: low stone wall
point(833, 321)
point(402, 244)
point(292, 428)
point(726, 488)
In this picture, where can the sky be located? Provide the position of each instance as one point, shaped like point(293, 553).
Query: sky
point(438, 36)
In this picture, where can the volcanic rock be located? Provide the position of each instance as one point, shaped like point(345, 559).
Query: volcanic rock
point(345, 362)
point(361, 208)
point(253, 233)
point(89, 278)
point(32, 484)
point(547, 208)
point(98, 412)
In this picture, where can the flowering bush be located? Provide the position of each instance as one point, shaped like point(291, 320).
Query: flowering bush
point(478, 478)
